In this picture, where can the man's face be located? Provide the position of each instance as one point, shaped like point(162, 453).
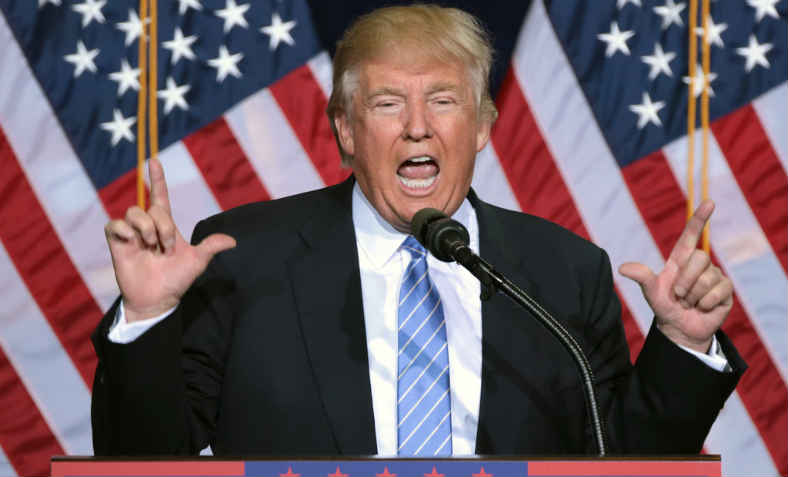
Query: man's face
point(413, 133)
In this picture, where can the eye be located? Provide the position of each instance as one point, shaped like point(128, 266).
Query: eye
point(443, 100)
point(386, 105)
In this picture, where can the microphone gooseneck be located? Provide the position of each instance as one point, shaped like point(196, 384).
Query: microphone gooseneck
point(448, 241)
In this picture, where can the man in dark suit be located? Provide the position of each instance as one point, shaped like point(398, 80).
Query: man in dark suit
point(290, 341)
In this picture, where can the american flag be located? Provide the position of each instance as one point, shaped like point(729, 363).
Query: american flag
point(592, 135)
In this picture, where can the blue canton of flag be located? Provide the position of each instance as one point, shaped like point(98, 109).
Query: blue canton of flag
point(212, 54)
point(631, 58)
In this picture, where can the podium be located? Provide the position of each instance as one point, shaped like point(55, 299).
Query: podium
point(704, 465)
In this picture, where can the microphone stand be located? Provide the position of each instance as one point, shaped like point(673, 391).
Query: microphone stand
point(493, 281)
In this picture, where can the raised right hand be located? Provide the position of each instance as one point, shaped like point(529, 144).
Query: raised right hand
point(154, 265)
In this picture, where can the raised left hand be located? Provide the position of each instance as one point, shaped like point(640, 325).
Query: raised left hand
point(690, 297)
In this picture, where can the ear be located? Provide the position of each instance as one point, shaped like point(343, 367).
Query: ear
point(344, 133)
point(483, 134)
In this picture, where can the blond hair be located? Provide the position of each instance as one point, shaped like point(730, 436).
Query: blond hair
point(447, 34)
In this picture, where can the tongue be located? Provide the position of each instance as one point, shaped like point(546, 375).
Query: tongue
point(420, 170)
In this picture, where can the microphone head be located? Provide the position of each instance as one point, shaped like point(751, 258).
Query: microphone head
point(421, 221)
point(438, 233)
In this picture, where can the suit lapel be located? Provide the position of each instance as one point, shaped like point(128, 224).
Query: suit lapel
point(327, 287)
point(503, 348)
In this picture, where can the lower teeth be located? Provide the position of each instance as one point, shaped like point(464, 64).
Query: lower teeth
point(417, 183)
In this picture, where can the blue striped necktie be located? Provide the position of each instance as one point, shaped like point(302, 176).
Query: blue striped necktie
point(423, 398)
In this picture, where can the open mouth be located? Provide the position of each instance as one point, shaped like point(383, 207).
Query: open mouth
point(418, 172)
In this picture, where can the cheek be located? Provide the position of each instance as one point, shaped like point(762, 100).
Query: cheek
point(379, 132)
point(464, 150)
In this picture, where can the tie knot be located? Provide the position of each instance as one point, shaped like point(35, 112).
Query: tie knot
point(414, 247)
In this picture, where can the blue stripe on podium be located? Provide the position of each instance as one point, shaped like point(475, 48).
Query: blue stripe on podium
point(382, 467)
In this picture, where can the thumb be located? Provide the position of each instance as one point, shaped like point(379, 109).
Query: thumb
point(213, 244)
point(639, 273)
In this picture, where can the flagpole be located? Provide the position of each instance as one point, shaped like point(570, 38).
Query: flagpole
point(693, 58)
point(153, 117)
point(704, 117)
point(141, 110)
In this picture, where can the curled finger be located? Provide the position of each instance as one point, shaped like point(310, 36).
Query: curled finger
point(720, 294)
point(705, 283)
point(119, 230)
point(144, 226)
point(697, 263)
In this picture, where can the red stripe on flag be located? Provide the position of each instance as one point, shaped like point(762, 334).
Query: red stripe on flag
point(744, 142)
point(762, 389)
point(25, 436)
point(304, 104)
point(120, 194)
point(44, 265)
point(536, 181)
point(225, 166)
point(528, 162)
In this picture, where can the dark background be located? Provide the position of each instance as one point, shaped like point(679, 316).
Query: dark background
point(502, 18)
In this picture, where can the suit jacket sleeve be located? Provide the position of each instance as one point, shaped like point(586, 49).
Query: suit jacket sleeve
point(667, 401)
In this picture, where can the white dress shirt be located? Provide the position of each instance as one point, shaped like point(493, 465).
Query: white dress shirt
point(382, 265)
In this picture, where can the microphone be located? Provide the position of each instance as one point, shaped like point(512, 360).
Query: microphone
point(448, 241)
point(439, 234)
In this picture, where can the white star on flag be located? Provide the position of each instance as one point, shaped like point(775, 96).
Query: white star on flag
point(184, 5)
point(82, 59)
point(120, 127)
point(132, 27)
point(180, 46)
point(755, 53)
point(126, 78)
point(647, 111)
point(279, 31)
point(697, 85)
point(173, 95)
point(226, 64)
point(616, 40)
point(659, 62)
point(90, 10)
point(670, 13)
point(715, 30)
point(621, 3)
point(41, 3)
point(763, 8)
point(233, 15)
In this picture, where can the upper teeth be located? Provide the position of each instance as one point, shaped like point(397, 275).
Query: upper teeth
point(421, 159)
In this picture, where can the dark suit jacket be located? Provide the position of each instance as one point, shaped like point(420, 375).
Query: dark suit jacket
point(267, 352)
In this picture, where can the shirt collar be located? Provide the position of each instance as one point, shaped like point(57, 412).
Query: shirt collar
point(379, 241)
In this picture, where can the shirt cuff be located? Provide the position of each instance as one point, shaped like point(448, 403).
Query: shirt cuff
point(715, 358)
point(123, 332)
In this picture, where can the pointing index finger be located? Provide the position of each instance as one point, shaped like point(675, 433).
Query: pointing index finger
point(688, 241)
point(158, 185)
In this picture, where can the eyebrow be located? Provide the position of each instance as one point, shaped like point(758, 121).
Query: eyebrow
point(443, 86)
point(385, 91)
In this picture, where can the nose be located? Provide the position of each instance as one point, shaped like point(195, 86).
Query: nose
point(416, 125)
